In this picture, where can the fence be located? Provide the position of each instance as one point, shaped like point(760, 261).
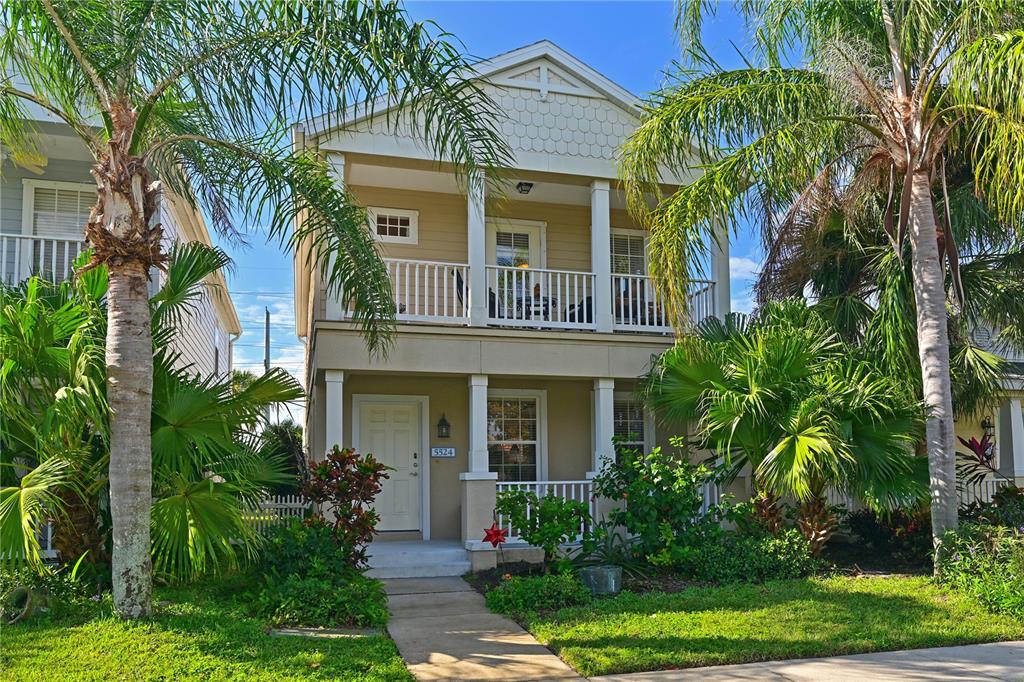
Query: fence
point(979, 491)
point(276, 510)
point(579, 491)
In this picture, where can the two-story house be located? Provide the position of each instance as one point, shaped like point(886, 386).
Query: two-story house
point(525, 315)
point(44, 206)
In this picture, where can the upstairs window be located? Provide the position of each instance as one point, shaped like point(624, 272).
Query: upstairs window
point(628, 254)
point(394, 225)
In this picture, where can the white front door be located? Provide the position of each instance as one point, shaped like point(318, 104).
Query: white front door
point(391, 432)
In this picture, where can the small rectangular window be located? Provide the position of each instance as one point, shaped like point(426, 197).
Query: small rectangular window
point(394, 225)
point(629, 425)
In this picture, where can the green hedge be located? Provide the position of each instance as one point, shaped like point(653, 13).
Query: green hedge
point(986, 562)
point(520, 596)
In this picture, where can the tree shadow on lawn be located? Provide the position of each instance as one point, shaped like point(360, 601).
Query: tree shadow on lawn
point(749, 623)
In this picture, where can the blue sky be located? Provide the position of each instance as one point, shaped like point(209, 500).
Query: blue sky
point(630, 42)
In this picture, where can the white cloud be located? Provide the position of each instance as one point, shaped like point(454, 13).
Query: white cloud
point(744, 304)
point(743, 268)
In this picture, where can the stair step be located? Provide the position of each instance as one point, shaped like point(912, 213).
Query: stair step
point(420, 570)
point(392, 558)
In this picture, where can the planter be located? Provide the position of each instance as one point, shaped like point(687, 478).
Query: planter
point(602, 579)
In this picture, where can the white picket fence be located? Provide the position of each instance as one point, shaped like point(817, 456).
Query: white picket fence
point(981, 491)
point(276, 510)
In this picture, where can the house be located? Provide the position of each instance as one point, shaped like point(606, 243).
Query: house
point(525, 314)
point(44, 205)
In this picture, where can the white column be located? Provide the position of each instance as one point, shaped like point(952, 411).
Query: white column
point(478, 466)
point(1017, 437)
point(476, 227)
point(332, 306)
point(604, 424)
point(334, 411)
point(600, 253)
point(720, 272)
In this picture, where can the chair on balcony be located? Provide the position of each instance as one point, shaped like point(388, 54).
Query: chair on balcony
point(493, 305)
point(581, 312)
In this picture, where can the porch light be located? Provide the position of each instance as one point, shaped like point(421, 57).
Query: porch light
point(444, 429)
point(524, 187)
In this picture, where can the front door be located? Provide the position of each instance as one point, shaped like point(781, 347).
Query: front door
point(391, 433)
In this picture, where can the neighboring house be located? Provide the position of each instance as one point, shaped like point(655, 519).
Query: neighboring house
point(1005, 425)
point(43, 211)
point(524, 317)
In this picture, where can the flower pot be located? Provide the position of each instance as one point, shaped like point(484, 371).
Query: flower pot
point(602, 579)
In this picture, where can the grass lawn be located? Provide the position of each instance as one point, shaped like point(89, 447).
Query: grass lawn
point(204, 633)
point(785, 619)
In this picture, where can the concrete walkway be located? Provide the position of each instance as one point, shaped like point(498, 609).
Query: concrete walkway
point(444, 632)
point(977, 663)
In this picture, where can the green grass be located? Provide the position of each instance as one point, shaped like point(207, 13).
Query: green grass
point(204, 633)
point(780, 620)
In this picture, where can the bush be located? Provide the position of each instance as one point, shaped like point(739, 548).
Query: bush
point(310, 579)
point(520, 596)
point(1005, 509)
point(740, 556)
point(986, 562)
point(346, 484)
point(56, 593)
point(546, 522)
point(906, 536)
point(663, 499)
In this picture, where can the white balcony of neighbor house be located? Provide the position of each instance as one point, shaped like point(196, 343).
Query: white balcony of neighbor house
point(551, 253)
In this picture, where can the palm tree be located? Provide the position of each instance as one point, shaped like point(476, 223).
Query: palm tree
point(193, 97)
point(209, 465)
point(784, 395)
point(885, 94)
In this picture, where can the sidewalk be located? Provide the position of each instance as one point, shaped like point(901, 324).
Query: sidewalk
point(979, 662)
point(444, 632)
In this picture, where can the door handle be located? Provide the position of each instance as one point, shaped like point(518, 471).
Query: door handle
point(414, 473)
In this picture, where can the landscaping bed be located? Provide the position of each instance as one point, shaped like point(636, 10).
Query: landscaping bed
point(197, 633)
point(742, 623)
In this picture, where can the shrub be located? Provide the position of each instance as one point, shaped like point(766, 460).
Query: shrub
point(906, 536)
point(663, 498)
point(546, 522)
point(25, 592)
point(345, 485)
point(292, 547)
point(320, 600)
point(520, 596)
point(986, 562)
point(607, 545)
point(739, 556)
point(1005, 509)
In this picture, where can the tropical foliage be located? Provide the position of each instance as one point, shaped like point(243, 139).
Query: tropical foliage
point(546, 522)
point(186, 101)
point(785, 396)
point(208, 468)
point(878, 102)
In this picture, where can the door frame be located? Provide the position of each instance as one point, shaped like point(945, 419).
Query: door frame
point(359, 399)
point(495, 224)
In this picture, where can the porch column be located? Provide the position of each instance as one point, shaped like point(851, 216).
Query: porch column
point(478, 483)
point(334, 411)
point(604, 424)
point(720, 272)
point(477, 246)
point(1017, 438)
point(332, 304)
point(600, 253)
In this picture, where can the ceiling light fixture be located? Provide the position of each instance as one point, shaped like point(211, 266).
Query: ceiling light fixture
point(524, 187)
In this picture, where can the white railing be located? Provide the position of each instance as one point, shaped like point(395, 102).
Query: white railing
point(428, 291)
point(637, 305)
point(980, 491)
point(539, 298)
point(22, 256)
point(579, 491)
point(276, 510)
point(712, 494)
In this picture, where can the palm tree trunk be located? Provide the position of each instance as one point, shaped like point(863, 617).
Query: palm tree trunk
point(933, 345)
point(130, 394)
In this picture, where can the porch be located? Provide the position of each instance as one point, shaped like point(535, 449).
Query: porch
point(51, 257)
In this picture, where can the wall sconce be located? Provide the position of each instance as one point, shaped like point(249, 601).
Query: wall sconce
point(524, 187)
point(444, 429)
point(987, 427)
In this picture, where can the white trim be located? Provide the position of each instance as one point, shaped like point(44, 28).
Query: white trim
point(495, 223)
point(542, 420)
point(28, 200)
point(414, 222)
point(358, 399)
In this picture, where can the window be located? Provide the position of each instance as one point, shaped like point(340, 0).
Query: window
point(512, 249)
point(512, 437)
point(55, 213)
point(630, 426)
point(628, 254)
point(60, 211)
point(394, 225)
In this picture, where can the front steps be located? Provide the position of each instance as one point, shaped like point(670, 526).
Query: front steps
point(417, 559)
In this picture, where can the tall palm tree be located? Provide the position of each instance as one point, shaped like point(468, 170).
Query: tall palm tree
point(194, 96)
point(882, 94)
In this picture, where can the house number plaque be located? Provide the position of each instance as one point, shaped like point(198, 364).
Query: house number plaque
point(442, 453)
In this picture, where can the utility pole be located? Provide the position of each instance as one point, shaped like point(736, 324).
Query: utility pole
point(266, 349)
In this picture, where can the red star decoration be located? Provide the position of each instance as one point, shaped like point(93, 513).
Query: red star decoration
point(494, 534)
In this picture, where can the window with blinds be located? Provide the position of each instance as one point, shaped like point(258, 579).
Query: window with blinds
point(628, 429)
point(628, 257)
point(61, 212)
point(512, 249)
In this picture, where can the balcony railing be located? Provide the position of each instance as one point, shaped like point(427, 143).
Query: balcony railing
point(539, 298)
point(639, 306)
point(22, 256)
point(428, 291)
point(580, 491)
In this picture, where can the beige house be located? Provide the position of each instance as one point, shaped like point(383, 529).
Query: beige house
point(525, 315)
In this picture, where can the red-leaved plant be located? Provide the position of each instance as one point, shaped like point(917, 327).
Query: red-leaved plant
point(343, 486)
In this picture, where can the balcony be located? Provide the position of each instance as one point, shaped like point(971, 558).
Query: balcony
point(22, 256)
point(437, 292)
